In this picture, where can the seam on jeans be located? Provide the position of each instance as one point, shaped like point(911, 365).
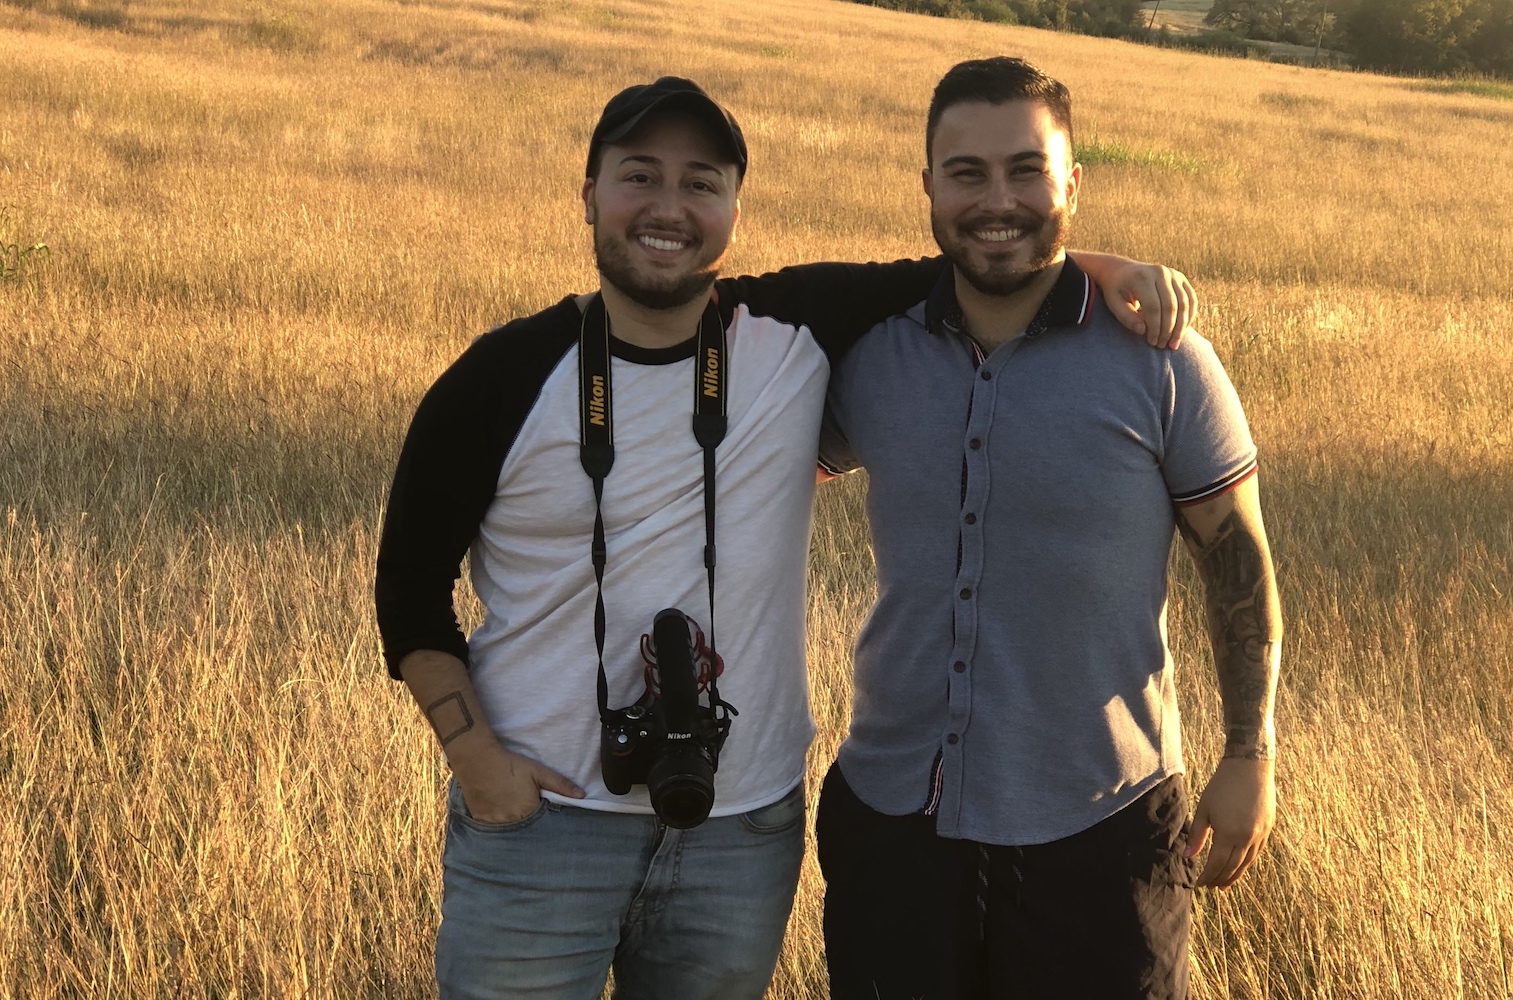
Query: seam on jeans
point(637, 902)
point(677, 874)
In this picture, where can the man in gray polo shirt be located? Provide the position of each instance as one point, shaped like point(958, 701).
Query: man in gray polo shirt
point(1007, 816)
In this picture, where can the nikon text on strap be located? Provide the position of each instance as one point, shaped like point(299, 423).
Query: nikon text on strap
point(597, 451)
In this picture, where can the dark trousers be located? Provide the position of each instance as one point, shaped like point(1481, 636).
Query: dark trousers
point(1102, 915)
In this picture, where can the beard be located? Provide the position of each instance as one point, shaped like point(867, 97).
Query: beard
point(998, 275)
point(652, 291)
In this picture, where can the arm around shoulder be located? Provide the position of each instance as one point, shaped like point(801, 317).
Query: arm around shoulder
point(1150, 300)
point(839, 301)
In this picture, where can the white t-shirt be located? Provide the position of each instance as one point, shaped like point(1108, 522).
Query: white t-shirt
point(510, 406)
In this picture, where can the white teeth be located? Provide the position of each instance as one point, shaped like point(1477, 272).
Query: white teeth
point(999, 235)
point(657, 244)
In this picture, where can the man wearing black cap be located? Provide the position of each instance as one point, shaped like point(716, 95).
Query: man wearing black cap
point(588, 458)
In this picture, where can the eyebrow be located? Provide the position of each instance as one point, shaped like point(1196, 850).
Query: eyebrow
point(977, 161)
point(654, 161)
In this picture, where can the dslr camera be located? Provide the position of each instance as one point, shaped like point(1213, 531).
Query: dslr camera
point(667, 740)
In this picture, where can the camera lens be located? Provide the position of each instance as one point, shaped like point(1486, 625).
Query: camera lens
point(681, 785)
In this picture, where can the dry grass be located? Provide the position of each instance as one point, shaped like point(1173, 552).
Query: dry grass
point(268, 226)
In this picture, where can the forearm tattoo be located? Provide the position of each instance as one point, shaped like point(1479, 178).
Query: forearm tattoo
point(450, 717)
point(1244, 624)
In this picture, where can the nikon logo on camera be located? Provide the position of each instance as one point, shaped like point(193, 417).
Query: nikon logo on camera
point(596, 401)
point(712, 373)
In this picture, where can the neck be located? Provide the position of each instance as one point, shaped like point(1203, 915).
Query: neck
point(996, 319)
point(654, 328)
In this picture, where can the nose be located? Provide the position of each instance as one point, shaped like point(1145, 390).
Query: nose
point(999, 197)
point(668, 205)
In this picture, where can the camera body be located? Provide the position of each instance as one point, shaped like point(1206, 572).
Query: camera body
point(667, 740)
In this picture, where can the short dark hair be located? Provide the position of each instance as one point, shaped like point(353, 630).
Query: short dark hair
point(997, 80)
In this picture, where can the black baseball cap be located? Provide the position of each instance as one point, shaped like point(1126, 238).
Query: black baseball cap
point(626, 110)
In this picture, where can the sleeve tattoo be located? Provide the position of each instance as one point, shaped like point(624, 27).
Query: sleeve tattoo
point(450, 717)
point(1244, 625)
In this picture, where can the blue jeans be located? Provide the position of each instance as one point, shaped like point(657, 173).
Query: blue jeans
point(543, 907)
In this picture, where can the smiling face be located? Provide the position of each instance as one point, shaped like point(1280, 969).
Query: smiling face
point(663, 206)
point(1003, 188)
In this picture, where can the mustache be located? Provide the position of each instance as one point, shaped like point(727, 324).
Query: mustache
point(1026, 221)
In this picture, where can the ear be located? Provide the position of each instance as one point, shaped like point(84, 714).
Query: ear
point(735, 220)
point(929, 182)
point(588, 200)
point(1073, 185)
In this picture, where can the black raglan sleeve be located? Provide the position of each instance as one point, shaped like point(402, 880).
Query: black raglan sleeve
point(447, 477)
point(837, 302)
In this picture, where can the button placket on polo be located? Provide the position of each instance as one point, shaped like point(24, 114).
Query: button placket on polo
point(976, 450)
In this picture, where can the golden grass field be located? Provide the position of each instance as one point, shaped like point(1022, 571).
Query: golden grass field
point(268, 226)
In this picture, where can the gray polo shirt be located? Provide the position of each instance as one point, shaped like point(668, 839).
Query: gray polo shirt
point(1013, 678)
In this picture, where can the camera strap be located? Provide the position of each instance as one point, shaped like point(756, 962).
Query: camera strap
point(596, 423)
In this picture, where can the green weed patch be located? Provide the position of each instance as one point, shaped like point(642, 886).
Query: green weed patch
point(1500, 89)
point(19, 256)
point(1112, 153)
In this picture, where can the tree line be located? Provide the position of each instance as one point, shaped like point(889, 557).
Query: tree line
point(1401, 36)
point(1440, 37)
point(1115, 18)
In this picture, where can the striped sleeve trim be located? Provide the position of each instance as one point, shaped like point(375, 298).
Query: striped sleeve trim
point(1219, 488)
